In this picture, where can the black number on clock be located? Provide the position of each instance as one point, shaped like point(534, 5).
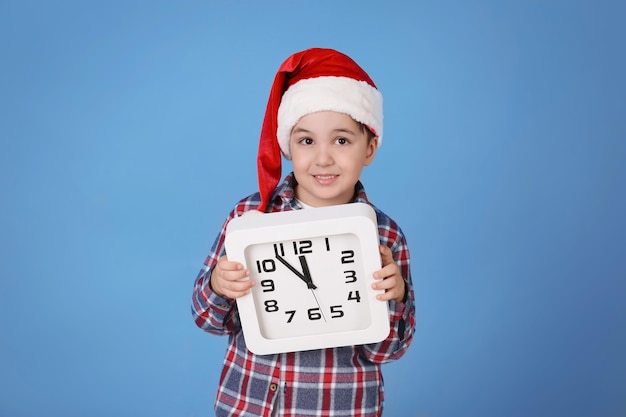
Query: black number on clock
point(271, 306)
point(290, 313)
point(299, 247)
point(336, 312)
point(279, 250)
point(266, 265)
point(314, 313)
point(347, 256)
point(354, 295)
point(268, 285)
point(303, 246)
point(350, 276)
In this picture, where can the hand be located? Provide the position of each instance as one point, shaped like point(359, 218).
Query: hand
point(227, 279)
point(389, 278)
point(306, 276)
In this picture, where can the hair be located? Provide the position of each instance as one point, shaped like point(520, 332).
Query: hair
point(364, 129)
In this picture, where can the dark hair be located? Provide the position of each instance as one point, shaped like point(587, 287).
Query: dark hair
point(364, 129)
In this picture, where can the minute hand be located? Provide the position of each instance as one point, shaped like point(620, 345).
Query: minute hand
point(307, 273)
point(306, 277)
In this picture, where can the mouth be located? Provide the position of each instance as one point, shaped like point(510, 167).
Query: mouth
point(325, 179)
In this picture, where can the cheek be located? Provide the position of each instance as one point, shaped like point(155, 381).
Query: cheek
point(352, 162)
point(300, 157)
point(297, 160)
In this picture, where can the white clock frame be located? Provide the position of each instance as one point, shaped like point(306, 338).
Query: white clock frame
point(255, 228)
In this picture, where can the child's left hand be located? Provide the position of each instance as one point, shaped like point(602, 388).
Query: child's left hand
point(389, 278)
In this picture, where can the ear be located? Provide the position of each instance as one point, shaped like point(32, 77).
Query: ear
point(372, 147)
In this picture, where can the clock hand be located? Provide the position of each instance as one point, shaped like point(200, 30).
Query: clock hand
point(307, 280)
point(318, 305)
point(307, 274)
point(306, 277)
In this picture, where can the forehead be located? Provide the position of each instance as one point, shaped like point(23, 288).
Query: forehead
point(326, 120)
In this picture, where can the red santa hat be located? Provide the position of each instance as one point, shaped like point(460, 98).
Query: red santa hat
point(309, 81)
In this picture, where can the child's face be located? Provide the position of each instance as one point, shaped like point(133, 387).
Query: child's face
point(328, 153)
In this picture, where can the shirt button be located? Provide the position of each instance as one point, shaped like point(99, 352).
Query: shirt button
point(273, 387)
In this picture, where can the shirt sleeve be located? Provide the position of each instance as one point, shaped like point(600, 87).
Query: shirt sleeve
point(213, 313)
point(401, 314)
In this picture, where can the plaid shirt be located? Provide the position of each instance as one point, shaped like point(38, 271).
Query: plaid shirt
point(344, 381)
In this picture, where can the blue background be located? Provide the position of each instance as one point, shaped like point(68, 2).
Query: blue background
point(129, 129)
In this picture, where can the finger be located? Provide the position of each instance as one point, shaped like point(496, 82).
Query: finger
point(234, 275)
point(387, 271)
point(391, 289)
point(388, 285)
point(385, 284)
point(238, 288)
point(386, 296)
point(227, 265)
point(386, 256)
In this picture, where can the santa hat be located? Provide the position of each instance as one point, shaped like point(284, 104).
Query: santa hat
point(309, 81)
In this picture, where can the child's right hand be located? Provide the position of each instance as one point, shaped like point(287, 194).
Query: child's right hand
point(226, 279)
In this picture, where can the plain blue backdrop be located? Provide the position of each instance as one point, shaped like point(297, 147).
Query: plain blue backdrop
point(129, 129)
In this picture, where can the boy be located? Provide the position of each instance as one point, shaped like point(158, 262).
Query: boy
point(324, 113)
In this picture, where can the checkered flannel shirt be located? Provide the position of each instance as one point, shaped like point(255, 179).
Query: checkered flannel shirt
point(344, 381)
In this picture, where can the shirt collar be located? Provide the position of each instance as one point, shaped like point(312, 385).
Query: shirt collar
point(286, 192)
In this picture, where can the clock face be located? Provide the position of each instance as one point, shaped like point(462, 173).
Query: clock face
point(309, 286)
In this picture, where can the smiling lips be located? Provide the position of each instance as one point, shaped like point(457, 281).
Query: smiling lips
point(325, 179)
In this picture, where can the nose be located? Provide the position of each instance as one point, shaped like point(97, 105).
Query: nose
point(324, 157)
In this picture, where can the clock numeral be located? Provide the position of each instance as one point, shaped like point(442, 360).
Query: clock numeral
point(290, 313)
point(271, 306)
point(347, 256)
point(266, 265)
point(336, 312)
point(302, 247)
point(327, 244)
point(350, 276)
point(354, 295)
point(268, 285)
point(314, 313)
point(279, 249)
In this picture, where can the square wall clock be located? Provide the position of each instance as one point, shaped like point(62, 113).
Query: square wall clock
point(313, 270)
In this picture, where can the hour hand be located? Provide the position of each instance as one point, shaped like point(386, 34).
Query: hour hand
point(306, 278)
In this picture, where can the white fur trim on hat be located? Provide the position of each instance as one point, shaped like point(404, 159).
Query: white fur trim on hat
point(357, 99)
